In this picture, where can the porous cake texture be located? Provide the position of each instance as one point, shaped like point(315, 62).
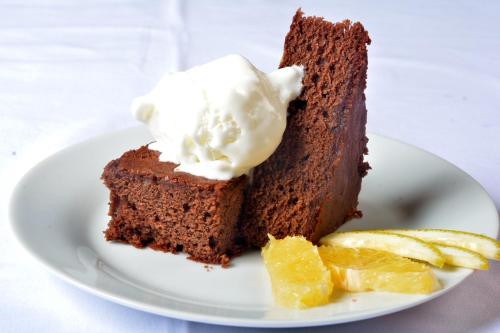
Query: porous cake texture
point(310, 185)
point(151, 205)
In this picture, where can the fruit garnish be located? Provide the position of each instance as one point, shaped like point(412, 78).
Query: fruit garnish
point(462, 257)
point(299, 278)
point(398, 244)
point(488, 247)
point(362, 269)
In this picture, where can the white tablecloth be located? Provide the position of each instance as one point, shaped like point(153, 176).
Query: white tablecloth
point(69, 69)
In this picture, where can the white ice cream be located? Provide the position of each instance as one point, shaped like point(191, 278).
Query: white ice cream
point(221, 119)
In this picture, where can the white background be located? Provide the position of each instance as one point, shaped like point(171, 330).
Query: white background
point(69, 69)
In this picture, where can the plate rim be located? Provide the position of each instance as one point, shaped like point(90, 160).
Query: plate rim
point(204, 318)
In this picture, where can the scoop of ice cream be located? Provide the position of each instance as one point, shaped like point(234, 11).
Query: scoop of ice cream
point(220, 119)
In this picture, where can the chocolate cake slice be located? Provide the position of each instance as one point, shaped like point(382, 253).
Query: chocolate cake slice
point(310, 185)
point(151, 205)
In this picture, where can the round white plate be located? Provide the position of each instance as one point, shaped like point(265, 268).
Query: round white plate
point(59, 208)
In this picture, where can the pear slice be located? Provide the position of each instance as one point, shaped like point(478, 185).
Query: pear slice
point(486, 246)
point(462, 257)
point(402, 245)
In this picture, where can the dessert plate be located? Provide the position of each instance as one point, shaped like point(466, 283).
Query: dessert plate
point(58, 212)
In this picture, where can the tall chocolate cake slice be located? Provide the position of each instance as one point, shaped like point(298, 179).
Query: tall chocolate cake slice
point(310, 185)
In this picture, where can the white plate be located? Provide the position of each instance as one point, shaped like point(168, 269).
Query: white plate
point(58, 213)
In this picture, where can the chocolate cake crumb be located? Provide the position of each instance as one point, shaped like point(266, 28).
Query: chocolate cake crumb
point(225, 261)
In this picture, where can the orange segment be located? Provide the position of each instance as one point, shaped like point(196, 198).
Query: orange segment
point(299, 278)
point(361, 269)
